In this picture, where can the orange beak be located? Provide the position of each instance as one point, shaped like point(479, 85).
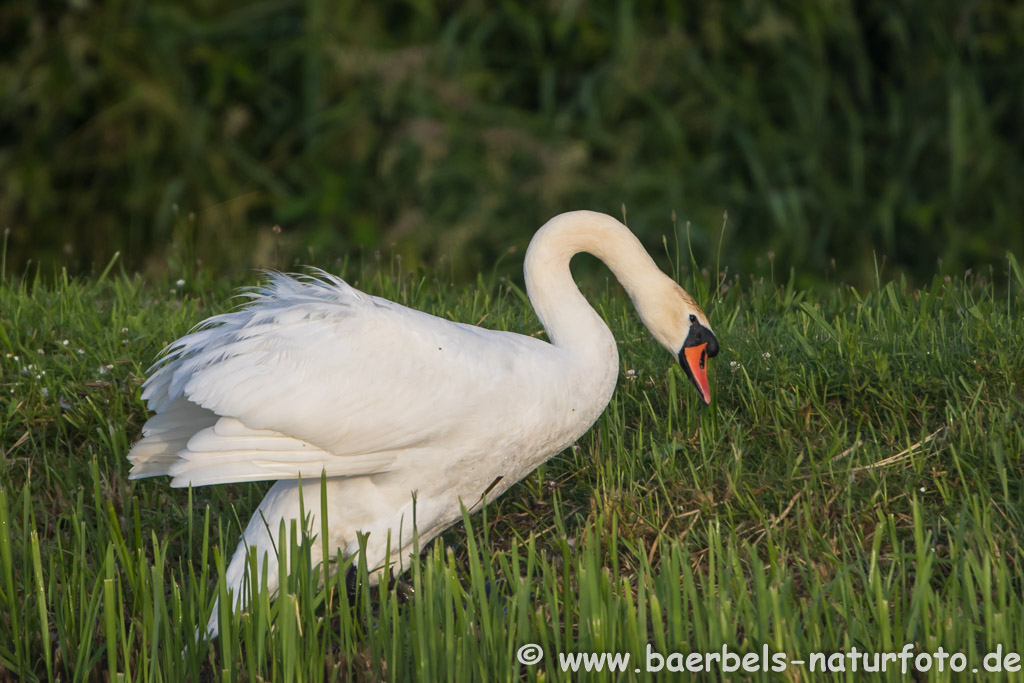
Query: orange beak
point(696, 366)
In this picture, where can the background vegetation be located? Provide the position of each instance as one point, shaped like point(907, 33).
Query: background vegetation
point(180, 133)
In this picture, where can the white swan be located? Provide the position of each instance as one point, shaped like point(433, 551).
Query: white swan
point(313, 376)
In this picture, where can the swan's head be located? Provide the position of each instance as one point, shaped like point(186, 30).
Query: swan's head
point(679, 324)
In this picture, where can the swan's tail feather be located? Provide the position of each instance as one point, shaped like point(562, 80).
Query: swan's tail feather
point(196, 447)
point(196, 469)
point(165, 435)
point(231, 452)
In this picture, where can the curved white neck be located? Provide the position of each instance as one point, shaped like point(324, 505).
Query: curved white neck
point(570, 321)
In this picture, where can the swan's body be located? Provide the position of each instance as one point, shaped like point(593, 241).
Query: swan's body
point(314, 376)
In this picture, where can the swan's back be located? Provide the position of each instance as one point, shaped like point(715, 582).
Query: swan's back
point(312, 375)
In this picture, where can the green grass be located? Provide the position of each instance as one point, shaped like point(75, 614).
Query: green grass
point(856, 482)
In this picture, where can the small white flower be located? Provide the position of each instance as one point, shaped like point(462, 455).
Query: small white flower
point(734, 366)
point(17, 358)
point(180, 283)
point(922, 489)
point(81, 352)
point(103, 370)
point(766, 355)
point(65, 342)
point(45, 392)
point(124, 330)
point(41, 352)
point(173, 290)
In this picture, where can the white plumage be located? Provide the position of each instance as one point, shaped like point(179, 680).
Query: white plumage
point(312, 376)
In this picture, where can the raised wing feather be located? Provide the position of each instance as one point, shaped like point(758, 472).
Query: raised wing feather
point(313, 365)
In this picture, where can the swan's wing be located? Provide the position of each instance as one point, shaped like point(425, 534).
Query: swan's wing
point(313, 375)
point(196, 447)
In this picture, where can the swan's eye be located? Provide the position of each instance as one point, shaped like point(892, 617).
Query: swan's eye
point(693, 318)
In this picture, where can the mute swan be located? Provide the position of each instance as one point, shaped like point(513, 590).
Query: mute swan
point(313, 376)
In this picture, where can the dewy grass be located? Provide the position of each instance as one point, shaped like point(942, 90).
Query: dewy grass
point(856, 483)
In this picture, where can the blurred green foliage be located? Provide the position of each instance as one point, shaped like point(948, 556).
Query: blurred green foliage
point(182, 132)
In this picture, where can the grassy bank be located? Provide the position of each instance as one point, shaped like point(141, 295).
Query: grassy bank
point(855, 483)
